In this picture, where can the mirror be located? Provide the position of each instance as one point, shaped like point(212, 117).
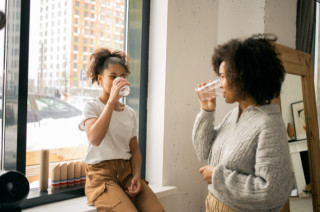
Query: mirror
point(299, 83)
point(292, 109)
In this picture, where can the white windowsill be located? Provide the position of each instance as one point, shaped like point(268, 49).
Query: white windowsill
point(80, 204)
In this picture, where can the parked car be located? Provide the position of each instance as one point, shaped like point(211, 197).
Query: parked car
point(43, 106)
point(79, 101)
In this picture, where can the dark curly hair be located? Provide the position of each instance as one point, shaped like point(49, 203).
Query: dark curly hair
point(252, 67)
point(102, 58)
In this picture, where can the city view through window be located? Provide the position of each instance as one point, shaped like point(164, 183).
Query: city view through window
point(63, 35)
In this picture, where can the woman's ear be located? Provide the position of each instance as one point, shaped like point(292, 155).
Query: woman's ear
point(100, 80)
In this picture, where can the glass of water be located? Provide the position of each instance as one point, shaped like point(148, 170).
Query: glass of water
point(210, 90)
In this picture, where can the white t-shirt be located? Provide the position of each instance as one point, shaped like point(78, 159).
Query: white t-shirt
point(115, 145)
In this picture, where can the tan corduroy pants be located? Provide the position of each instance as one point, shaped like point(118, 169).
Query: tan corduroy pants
point(105, 187)
point(215, 205)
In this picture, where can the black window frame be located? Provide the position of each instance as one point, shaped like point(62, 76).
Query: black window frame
point(18, 156)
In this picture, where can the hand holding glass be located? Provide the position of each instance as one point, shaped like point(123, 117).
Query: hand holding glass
point(125, 90)
point(210, 90)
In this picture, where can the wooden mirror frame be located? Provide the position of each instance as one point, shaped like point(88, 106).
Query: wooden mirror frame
point(299, 63)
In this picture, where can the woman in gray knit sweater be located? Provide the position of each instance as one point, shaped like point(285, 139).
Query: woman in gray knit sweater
point(247, 153)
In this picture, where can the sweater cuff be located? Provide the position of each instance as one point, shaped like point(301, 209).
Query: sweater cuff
point(206, 113)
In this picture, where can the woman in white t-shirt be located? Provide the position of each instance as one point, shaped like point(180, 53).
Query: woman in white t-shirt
point(113, 181)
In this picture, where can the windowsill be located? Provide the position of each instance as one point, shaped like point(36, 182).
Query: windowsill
point(79, 204)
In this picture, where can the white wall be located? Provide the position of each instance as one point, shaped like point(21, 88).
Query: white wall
point(183, 34)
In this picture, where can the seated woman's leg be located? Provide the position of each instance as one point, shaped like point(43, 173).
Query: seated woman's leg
point(110, 197)
point(146, 200)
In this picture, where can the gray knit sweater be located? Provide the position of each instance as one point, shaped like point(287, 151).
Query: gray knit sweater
point(251, 157)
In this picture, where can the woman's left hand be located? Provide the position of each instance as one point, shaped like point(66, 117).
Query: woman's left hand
point(206, 172)
point(135, 187)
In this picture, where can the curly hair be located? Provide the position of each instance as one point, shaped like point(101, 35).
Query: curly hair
point(252, 67)
point(102, 58)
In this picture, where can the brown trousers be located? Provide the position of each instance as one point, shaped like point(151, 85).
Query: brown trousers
point(105, 187)
point(215, 205)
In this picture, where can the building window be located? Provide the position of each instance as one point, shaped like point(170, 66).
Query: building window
point(92, 7)
point(75, 21)
point(108, 20)
point(101, 34)
point(85, 40)
point(101, 43)
point(86, 6)
point(92, 25)
point(84, 49)
point(92, 33)
point(91, 50)
point(92, 16)
point(77, 12)
point(101, 26)
point(91, 42)
point(83, 66)
point(75, 48)
point(86, 32)
point(84, 57)
point(86, 14)
point(76, 30)
point(74, 56)
point(77, 4)
point(75, 65)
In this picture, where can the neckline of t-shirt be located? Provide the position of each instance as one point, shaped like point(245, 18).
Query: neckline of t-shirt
point(113, 110)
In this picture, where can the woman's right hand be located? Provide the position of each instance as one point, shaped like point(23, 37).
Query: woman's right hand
point(207, 105)
point(115, 89)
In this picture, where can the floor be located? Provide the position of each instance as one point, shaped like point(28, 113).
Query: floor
point(301, 205)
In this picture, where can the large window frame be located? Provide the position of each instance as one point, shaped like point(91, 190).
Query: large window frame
point(14, 152)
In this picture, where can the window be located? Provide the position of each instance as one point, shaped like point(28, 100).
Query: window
point(83, 66)
point(91, 50)
point(100, 43)
point(84, 49)
point(64, 80)
point(75, 65)
point(101, 26)
point(108, 12)
point(108, 20)
point(86, 23)
point(92, 25)
point(84, 58)
point(101, 34)
point(86, 6)
point(86, 14)
point(85, 32)
point(85, 40)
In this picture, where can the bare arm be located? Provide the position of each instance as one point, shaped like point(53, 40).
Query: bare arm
point(135, 187)
point(136, 157)
point(97, 128)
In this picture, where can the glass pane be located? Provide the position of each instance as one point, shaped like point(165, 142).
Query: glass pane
point(63, 35)
point(2, 38)
point(134, 51)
